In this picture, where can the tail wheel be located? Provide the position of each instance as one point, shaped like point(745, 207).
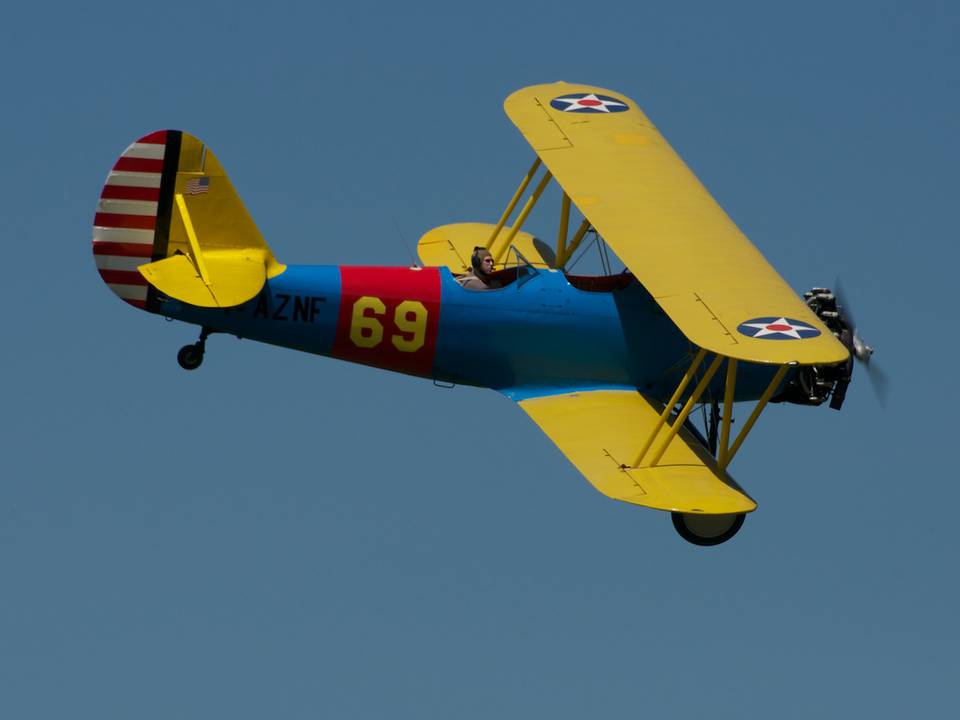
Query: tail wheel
point(706, 530)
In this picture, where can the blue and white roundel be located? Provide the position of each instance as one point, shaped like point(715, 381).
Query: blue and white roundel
point(588, 103)
point(777, 328)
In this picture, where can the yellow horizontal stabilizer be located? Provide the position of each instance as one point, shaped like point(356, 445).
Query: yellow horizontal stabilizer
point(232, 277)
point(601, 430)
point(215, 254)
point(452, 246)
point(660, 220)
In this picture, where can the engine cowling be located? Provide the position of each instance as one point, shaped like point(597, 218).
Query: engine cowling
point(815, 384)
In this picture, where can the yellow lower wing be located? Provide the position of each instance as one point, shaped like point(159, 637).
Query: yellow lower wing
point(601, 430)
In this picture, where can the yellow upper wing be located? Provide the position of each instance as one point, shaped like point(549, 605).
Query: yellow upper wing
point(657, 216)
point(601, 430)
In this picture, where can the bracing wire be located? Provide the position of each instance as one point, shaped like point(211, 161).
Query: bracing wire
point(605, 257)
point(583, 250)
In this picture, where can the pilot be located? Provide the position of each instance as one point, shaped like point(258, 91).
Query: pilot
point(480, 276)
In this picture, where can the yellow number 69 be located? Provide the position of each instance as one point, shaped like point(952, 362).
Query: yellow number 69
point(366, 330)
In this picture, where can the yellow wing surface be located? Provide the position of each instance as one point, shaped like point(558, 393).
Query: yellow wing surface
point(600, 431)
point(452, 246)
point(660, 220)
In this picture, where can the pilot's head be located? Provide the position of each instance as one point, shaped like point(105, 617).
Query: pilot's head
point(482, 262)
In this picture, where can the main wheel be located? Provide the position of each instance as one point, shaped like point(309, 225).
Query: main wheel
point(707, 530)
point(190, 356)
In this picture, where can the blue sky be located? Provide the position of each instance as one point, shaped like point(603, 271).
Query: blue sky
point(287, 536)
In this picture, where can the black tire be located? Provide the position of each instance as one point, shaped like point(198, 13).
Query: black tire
point(190, 357)
point(707, 530)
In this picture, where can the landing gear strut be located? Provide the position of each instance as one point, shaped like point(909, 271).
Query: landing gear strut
point(190, 356)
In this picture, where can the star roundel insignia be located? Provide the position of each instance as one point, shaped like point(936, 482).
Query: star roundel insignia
point(588, 103)
point(777, 328)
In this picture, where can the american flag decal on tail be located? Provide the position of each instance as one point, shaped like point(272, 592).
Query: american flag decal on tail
point(197, 186)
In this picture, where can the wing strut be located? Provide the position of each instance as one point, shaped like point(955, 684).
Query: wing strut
point(568, 252)
point(501, 250)
point(730, 386)
point(693, 400)
point(564, 226)
point(726, 451)
point(513, 201)
point(727, 455)
point(684, 381)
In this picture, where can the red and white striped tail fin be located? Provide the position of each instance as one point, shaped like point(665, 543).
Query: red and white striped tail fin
point(125, 225)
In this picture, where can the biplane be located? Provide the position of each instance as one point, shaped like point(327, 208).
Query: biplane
point(613, 367)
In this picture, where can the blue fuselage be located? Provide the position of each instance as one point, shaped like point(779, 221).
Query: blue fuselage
point(537, 335)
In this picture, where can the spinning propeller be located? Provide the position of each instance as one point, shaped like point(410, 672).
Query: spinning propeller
point(858, 347)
